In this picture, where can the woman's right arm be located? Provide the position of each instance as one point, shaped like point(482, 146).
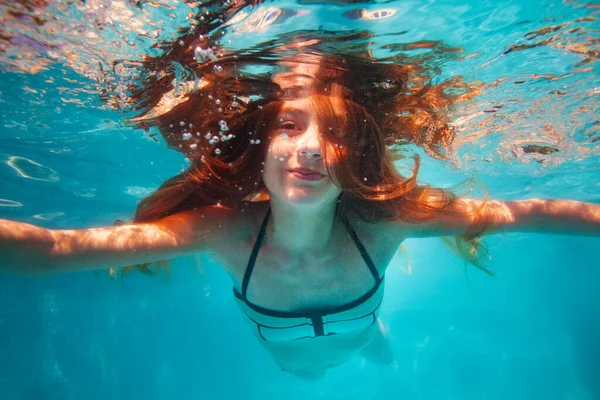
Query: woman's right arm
point(34, 250)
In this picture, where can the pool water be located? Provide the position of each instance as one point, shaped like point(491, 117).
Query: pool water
point(68, 160)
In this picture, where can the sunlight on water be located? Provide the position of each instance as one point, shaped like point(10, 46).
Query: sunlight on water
point(532, 73)
point(32, 170)
point(9, 203)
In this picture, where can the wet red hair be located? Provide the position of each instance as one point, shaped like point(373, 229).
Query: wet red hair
point(370, 112)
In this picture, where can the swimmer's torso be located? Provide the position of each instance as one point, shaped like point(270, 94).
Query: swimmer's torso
point(307, 282)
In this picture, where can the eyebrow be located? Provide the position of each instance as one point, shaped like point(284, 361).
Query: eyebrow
point(292, 111)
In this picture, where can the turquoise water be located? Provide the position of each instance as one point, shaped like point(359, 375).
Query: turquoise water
point(69, 161)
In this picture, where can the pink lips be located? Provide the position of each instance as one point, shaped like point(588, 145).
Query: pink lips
point(307, 174)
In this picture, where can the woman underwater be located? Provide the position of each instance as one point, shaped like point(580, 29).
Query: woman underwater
point(296, 195)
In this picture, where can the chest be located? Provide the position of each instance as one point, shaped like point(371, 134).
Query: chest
point(310, 281)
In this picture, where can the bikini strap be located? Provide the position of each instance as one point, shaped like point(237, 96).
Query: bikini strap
point(254, 254)
point(362, 250)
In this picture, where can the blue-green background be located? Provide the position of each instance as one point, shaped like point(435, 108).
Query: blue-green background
point(531, 332)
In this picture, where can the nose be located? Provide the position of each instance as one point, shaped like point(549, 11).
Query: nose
point(309, 145)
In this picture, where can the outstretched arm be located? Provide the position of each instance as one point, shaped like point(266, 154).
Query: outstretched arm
point(30, 249)
point(535, 215)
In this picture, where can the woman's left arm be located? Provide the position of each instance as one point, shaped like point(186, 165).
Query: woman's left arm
point(492, 216)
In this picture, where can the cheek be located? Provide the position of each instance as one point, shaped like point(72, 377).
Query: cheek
point(273, 169)
point(270, 167)
point(281, 149)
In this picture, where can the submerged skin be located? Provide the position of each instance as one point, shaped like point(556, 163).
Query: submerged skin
point(327, 278)
point(307, 259)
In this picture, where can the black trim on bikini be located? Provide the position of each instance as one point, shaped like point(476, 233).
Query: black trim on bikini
point(309, 314)
point(254, 255)
point(313, 313)
point(260, 325)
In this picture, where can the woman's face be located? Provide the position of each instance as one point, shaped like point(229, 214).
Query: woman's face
point(295, 168)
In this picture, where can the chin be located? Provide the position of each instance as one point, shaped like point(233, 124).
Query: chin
point(301, 194)
point(308, 198)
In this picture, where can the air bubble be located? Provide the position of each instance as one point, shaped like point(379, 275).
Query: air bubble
point(186, 136)
point(193, 146)
point(217, 151)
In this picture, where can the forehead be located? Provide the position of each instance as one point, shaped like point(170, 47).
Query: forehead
point(296, 106)
point(324, 108)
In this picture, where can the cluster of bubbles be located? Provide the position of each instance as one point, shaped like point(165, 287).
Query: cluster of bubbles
point(213, 139)
point(218, 102)
point(203, 54)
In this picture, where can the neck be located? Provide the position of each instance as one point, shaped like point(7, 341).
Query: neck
point(298, 230)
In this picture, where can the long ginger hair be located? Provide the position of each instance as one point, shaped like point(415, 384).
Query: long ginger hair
point(368, 113)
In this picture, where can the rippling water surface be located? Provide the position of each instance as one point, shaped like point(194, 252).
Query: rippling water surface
point(533, 65)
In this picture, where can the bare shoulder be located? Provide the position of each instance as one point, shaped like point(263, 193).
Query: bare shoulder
point(210, 228)
point(381, 239)
point(226, 234)
point(394, 231)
